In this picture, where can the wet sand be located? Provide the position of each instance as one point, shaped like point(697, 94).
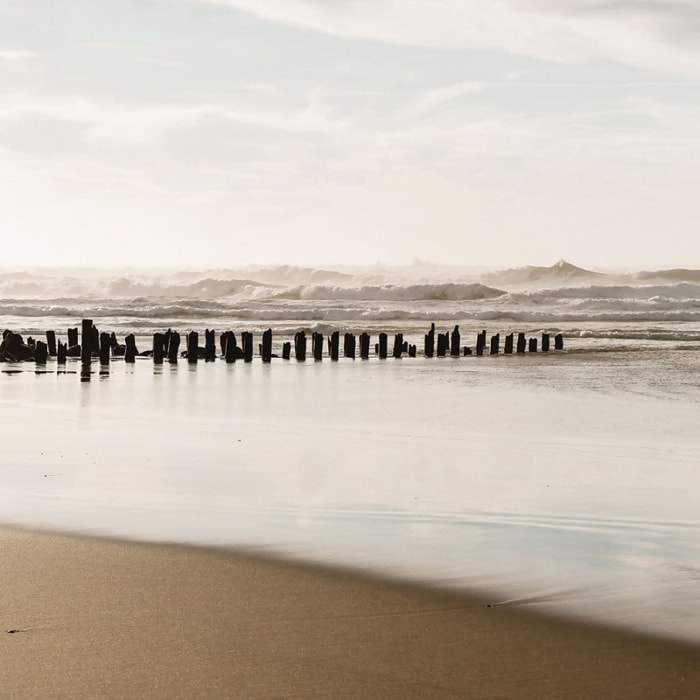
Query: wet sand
point(87, 617)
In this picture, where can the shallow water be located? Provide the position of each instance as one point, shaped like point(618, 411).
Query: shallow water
point(568, 480)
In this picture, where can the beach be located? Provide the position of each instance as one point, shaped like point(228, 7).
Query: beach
point(89, 617)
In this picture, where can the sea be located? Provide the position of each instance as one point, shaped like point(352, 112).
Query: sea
point(567, 480)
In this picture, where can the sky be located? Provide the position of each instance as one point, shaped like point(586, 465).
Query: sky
point(317, 132)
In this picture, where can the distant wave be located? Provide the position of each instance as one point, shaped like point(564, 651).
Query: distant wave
point(414, 292)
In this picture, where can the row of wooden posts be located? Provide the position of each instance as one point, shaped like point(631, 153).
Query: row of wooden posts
point(166, 345)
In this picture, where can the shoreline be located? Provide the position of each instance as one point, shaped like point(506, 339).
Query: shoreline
point(92, 616)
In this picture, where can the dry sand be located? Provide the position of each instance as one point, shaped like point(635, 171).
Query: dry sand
point(84, 617)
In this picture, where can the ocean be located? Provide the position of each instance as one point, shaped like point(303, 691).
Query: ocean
point(566, 480)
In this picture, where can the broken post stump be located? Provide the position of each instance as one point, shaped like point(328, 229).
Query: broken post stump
point(545, 342)
point(209, 345)
point(300, 346)
point(286, 350)
point(495, 341)
point(86, 341)
point(532, 345)
point(520, 347)
point(51, 342)
point(397, 350)
point(508, 344)
point(105, 348)
point(429, 346)
point(454, 342)
point(173, 347)
point(192, 347)
point(333, 345)
point(364, 346)
point(247, 342)
point(382, 346)
point(349, 344)
point(130, 351)
point(558, 341)
point(159, 341)
point(40, 352)
point(266, 347)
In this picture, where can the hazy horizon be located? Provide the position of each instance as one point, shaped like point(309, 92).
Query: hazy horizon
point(228, 133)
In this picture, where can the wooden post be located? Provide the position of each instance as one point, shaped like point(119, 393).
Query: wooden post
point(158, 348)
point(454, 342)
point(247, 342)
point(72, 337)
point(545, 342)
point(230, 347)
point(382, 350)
point(51, 342)
point(521, 343)
point(480, 344)
point(508, 346)
point(40, 352)
point(192, 347)
point(131, 351)
point(333, 345)
point(411, 350)
point(430, 341)
point(173, 347)
point(558, 341)
point(286, 350)
point(532, 345)
point(266, 353)
point(398, 346)
point(61, 353)
point(349, 344)
point(364, 346)
point(317, 346)
point(86, 341)
point(209, 345)
point(467, 351)
point(495, 340)
point(105, 348)
point(300, 346)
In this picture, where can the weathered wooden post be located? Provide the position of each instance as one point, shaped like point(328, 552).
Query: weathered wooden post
point(558, 341)
point(508, 345)
point(266, 349)
point(411, 350)
point(300, 346)
point(105, 348)
point(72, 337)
point(455, 339)
point(173, 347)
point(495, 340)
point(429, 346)
point(192, 347)
point(317, 345)
point(158, 348)
point(130, 351)
point(349, 344)
point(209, 345)
point(397, 350)
point(382, 350)
point(229, 345)
point(520, 347)
point(480, 341)
point(334, 345)
point(51, 342)
point(61, 353)
point(247, 342)
point(545, 342)
point(364, 346)
point(467, 351)
point(532, 345)
point(286, 350)
point(86, 341)
point(40, 352)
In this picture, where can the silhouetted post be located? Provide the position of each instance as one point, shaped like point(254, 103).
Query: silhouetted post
point(61, 353)
point(398, 346)
point(300, 346)
point(495, 340)
point(364, 346)
point(317, 346)
point(430, 341)
point(411, 350)
point(266, 352)
point(382, 349)
point(333, 345)
point(86, 341)
point(40, 352)
point(229, 346)
point(130, 351)
point(247, 342)
point(545, 342)
point(105, 348)
point(520, 347)
point(454, 342)
point(72, 337)
point(480, 342)
point(532, 345)
point(467, 351)
point(173, 347)
point(51, 342)
point(192, 347)
point(286, 350)
point(349, 344)
point(158, 348)
point(508, 345)
point(94, 341)
point(209, 345)
point(558, 341)
point(443, 342)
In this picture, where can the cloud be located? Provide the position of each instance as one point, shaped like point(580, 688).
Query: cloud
point(657, 35)
point(6, 55)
